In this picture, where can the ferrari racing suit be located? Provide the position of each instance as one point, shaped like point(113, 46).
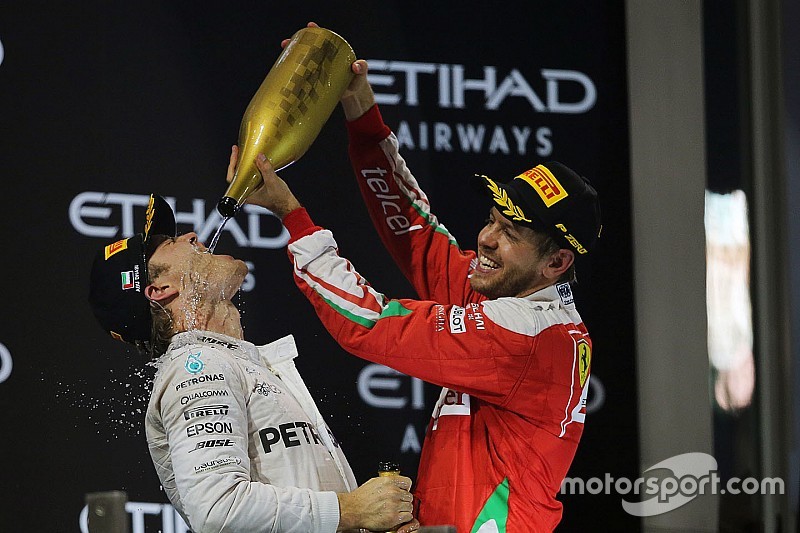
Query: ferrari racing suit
point(515, 371)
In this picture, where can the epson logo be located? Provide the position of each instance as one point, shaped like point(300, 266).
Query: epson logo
point(108, 215)
point(212, 428)
point(403, 82)
point(206, 410)
point(214, 443)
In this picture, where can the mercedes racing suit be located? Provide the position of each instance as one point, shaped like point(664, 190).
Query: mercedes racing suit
point(237, 441)
point(515, 371)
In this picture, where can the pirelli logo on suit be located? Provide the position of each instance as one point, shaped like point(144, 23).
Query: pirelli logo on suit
point(206, 410)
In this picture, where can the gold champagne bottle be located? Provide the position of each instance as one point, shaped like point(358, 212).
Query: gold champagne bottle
point(288, 111)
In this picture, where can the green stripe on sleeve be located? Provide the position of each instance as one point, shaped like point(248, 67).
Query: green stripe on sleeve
point(494, 515)
point(395, 308)
point(367, 323)
point(438, 228)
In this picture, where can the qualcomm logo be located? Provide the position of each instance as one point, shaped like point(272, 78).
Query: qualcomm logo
point(5, 363)
point(107, 215)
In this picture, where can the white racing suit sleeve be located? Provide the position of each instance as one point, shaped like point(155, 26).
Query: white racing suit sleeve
point(210, 458)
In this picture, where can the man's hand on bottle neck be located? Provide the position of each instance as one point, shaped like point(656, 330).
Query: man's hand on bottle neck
point(358, 98)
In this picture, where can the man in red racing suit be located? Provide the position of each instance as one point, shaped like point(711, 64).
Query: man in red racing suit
point(497, 329)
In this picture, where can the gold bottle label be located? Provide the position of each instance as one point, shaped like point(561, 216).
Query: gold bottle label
point(292, 104)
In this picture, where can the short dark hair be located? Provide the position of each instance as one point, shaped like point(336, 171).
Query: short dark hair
point(548, 245)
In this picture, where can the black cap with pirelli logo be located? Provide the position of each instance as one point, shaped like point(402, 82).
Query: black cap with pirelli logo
point(553, 198)
point(119, 276)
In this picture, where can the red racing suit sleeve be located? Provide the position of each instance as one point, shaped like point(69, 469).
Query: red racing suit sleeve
point(422, 247)
point(459, 347)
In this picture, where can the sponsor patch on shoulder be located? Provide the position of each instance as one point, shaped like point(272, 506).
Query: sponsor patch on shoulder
point(193, 363)
point(565, 292)
point(127, 280)
point(584, 360)
point(204, 378)
point(113, 248)
point(216, 463)
point(457, 324)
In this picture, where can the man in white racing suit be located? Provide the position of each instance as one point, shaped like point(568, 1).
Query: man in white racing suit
point(236, 439)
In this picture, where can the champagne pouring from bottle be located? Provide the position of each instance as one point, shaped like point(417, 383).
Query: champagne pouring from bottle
point(288, 111)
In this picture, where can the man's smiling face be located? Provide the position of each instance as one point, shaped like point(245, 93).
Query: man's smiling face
point(509, 259)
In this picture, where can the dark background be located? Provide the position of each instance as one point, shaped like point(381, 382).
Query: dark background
point(147, 96)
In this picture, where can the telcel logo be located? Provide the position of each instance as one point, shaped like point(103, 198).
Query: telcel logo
point(107, 215)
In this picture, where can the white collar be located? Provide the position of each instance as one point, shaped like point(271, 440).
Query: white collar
point(283, 349)
point(272, 353)
point(558, 294)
